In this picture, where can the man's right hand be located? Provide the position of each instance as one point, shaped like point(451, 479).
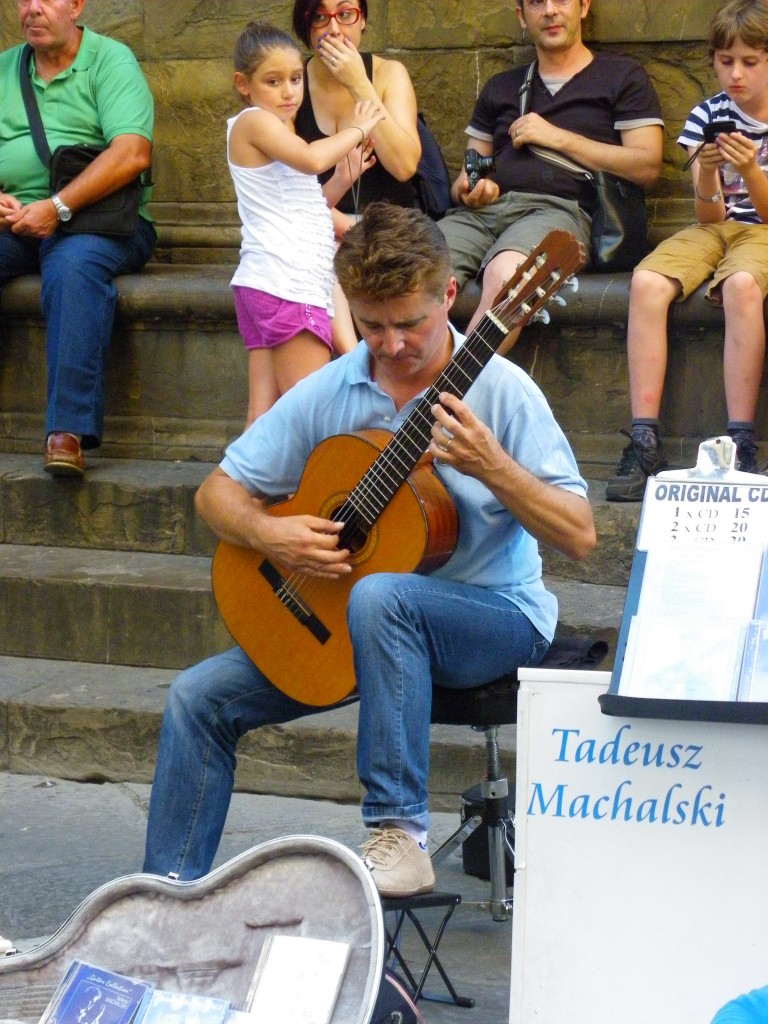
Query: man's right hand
point(8, 205)
point(484, 193)
point(37, 220)
point(305, 544)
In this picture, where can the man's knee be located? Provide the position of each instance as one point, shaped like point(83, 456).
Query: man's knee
point(372, 598)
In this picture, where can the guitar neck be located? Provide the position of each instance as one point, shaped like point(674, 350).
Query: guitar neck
point(371, 496)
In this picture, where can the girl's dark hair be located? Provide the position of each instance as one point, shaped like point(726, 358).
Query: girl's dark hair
point(304, 11)
point(256, 40)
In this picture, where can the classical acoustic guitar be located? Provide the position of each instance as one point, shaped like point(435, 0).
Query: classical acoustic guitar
point(396, 512)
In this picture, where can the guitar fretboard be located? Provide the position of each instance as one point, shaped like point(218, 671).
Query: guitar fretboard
point(377, 487)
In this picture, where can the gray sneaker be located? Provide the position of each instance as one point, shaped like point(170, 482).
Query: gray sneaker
point(400, 867)
point(637, 463)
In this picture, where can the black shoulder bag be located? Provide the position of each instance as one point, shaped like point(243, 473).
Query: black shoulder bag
point(619, 215)
point(115, 214)
point(432, 180)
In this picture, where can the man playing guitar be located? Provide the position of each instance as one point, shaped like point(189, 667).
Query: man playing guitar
point(513, 481)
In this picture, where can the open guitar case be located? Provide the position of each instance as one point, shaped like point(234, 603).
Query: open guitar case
point(205, 936)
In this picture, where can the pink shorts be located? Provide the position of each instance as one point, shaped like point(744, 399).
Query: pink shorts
point(264, 321)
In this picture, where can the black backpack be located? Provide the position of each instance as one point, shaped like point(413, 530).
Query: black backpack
point(394, 1004)
point(431, 181)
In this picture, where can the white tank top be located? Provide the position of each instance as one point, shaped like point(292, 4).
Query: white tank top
point(287, 232)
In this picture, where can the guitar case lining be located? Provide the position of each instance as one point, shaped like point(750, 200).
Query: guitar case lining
point(205, 936)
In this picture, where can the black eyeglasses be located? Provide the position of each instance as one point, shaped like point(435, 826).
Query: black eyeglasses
point(348, 16)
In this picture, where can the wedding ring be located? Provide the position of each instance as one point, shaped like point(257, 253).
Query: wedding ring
point(446, 446)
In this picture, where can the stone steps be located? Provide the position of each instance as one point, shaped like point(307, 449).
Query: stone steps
point(148, 505)
point(100, 723)
point(177, 386)
point(138, 608)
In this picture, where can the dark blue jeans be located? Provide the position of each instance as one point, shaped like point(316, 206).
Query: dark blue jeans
point(78, 301)
point(407, 632)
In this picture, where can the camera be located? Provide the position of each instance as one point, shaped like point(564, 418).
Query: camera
point(714, 128)
point(477, 166)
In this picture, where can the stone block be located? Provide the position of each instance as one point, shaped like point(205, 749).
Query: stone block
point(126, 608)
point(128, 505)
point(652, 21)
point(193, 99)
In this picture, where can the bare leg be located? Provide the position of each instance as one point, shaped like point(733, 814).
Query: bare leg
point(500, 269)
point(650, 298)
point(297, 358)
point(263, 391)
point(344, 334)
point(744, 350)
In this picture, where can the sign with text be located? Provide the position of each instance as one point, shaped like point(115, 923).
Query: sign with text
point(700, 510)
point(640, 892)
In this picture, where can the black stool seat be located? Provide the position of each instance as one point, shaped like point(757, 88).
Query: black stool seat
point(495, 703)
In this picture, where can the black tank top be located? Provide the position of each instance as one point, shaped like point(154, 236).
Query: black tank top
point(377, 183)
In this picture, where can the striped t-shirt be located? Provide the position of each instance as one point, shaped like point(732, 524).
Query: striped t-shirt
point(721, 107)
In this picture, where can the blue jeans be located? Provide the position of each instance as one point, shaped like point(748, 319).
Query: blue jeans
point(78, 301)
point(407, 632)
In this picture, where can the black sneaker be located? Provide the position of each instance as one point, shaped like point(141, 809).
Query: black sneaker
point(637, 463)
point(746, 457)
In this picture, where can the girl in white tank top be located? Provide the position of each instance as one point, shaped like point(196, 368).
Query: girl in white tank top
point(284, 284)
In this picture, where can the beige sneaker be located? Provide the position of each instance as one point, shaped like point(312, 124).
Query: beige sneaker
point(398, 864)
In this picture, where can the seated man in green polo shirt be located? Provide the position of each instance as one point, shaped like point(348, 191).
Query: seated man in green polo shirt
point(89, 89)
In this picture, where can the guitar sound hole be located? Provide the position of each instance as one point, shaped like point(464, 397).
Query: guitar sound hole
point(353, 537)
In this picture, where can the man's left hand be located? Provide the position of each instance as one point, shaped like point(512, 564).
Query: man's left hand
point(533, 129)
point(461, 440)
point(38, 219)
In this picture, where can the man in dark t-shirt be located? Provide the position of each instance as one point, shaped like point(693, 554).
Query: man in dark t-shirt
point(597, 109)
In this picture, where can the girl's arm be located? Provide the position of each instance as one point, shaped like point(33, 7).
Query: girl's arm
point(262, 136)
point(397, 138)
point(348, 170)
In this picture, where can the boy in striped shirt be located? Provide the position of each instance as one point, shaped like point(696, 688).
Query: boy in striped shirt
point(728, 246)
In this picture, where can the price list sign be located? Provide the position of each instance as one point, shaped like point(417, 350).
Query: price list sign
point(705, 511)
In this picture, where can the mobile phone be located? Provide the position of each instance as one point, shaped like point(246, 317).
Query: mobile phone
point(714, 128)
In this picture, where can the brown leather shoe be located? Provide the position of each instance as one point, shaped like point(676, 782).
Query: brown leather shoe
point(63, 455)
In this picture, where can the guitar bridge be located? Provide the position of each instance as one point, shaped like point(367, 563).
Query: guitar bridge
point(290, 600)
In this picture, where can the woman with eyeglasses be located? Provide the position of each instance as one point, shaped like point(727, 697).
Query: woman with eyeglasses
point(337, 77)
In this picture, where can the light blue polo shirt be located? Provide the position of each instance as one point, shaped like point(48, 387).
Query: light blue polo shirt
point(101, 95)
point(493, 551)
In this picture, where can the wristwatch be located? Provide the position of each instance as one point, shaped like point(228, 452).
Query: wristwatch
point(710, 199)
point(63, 212)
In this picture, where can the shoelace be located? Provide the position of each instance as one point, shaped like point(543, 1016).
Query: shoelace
point(383, 841)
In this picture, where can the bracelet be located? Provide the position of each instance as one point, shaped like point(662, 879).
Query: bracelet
point(362, 134)
point(709, 199)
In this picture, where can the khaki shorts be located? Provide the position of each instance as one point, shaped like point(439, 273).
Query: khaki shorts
point(516, 222)
point(712, 250)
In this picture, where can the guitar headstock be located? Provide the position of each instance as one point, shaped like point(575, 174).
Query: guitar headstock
point(554, 260)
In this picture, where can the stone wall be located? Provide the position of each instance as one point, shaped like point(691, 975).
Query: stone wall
point(450, 48)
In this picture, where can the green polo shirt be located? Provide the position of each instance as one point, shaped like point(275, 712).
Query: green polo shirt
point(101, 95)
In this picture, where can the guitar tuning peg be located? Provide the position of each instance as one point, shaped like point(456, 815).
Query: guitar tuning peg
point(558, 299)
point(542, 316)
point(571, 282)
